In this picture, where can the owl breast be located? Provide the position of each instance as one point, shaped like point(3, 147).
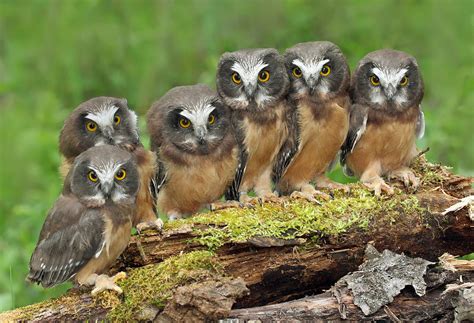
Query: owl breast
point(392, 144)
point(263, 140)
point(320, 140)
point(203, 180)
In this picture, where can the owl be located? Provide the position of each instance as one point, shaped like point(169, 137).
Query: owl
point(198, 154)
point(320, 80)
point(109, 121)
point(253, 83)
point(89, 225)
point(385, 119)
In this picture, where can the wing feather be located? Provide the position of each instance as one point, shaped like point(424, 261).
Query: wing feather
point(71, 235)
point(357, 126)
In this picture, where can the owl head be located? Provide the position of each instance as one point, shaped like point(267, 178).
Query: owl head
point(98, 121)
point(105, 174)
point(317, 70)
point(188, 120)
point(388, 80)
point(252, 79)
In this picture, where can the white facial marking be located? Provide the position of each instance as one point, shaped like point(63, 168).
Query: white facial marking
point(104, 117)
point(119, 195)
point(389, 76)
point(106, 171)
point(248, 70)
point(262, 98)
point(199, 116)
point(310, 68)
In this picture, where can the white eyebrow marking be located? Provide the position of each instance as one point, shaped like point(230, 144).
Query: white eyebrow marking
point(104, 116)
point(389, 76)
point(199, 114)
point(312, 67)
point(249, 69)
point(106, 170)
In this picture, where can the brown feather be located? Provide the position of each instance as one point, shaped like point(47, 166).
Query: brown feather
point(146, 161)
point(322, 135)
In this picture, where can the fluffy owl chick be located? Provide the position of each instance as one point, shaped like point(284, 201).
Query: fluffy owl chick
point(109, 121)
point(254, 84)
point(320, 80)
point(385, 120)
point(191, 133)
point(89, 225)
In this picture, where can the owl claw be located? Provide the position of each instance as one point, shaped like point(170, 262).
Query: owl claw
point(407, 176)
point(310, 196)
point(378, 185)
point(219, 205)
point(104, 282)
point(324, 182)
point(156, 225)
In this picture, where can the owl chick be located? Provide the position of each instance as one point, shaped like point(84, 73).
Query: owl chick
point(109, 121)
point(89, 225)
point(254, 84)
point(192, 135)
point(320, 79)
point(385, 120)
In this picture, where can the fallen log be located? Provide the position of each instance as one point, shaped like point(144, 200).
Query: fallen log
point(282, 251)
point(435, 305)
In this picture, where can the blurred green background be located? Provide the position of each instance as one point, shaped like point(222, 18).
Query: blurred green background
point(56, 54)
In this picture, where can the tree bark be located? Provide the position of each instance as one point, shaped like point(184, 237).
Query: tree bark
point(407, 306)
point(285, 271)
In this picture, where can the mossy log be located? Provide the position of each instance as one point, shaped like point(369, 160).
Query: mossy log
point(282, 251)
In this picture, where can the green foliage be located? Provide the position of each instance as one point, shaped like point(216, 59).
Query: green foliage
point(56, 54)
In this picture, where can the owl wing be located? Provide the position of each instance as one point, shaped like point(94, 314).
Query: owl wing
point(291, 145)
point(357, 125)
point(232, 192)
point(71, 235)
point(420, 124)
point(160, 177)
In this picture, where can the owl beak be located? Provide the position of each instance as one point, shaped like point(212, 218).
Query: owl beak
point(106, 187)
point(201, 133)
point(250, 90)
point(390, 91)
point(311, 82)
point(108, 132)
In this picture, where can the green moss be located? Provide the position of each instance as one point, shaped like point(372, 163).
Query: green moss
point(297, 218)
point(154, 284)
point(430, 175)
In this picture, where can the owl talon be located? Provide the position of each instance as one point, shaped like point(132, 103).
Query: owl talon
point(104, 282)
point(324, 182)
point(216, 206)
point(378, 186)
point(407, 176)
point(156, 225)
point(311, 197)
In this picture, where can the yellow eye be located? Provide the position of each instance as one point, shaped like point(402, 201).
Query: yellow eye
point(92, 176)
point(184, 123)
point(325, 71)
point(263, 76)
point(374, 80)
point(404, 81)
point(91, 126)
point(117, 120)
point(297, 72)
point(211, 119)
point(121, 174)
point(236, 78)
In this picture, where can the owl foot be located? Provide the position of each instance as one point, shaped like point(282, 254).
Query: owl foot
point(156, 225)
point(104, 282)
point(310, 194)
point(406, 176)
point(269, 197)
point(378, 185)
point(324, 182)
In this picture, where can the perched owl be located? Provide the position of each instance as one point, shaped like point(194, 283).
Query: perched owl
point(192, 135)
point(386, 119)
point(254, 84)
point(320, 80)
point(89, 225)
point(109, 121)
